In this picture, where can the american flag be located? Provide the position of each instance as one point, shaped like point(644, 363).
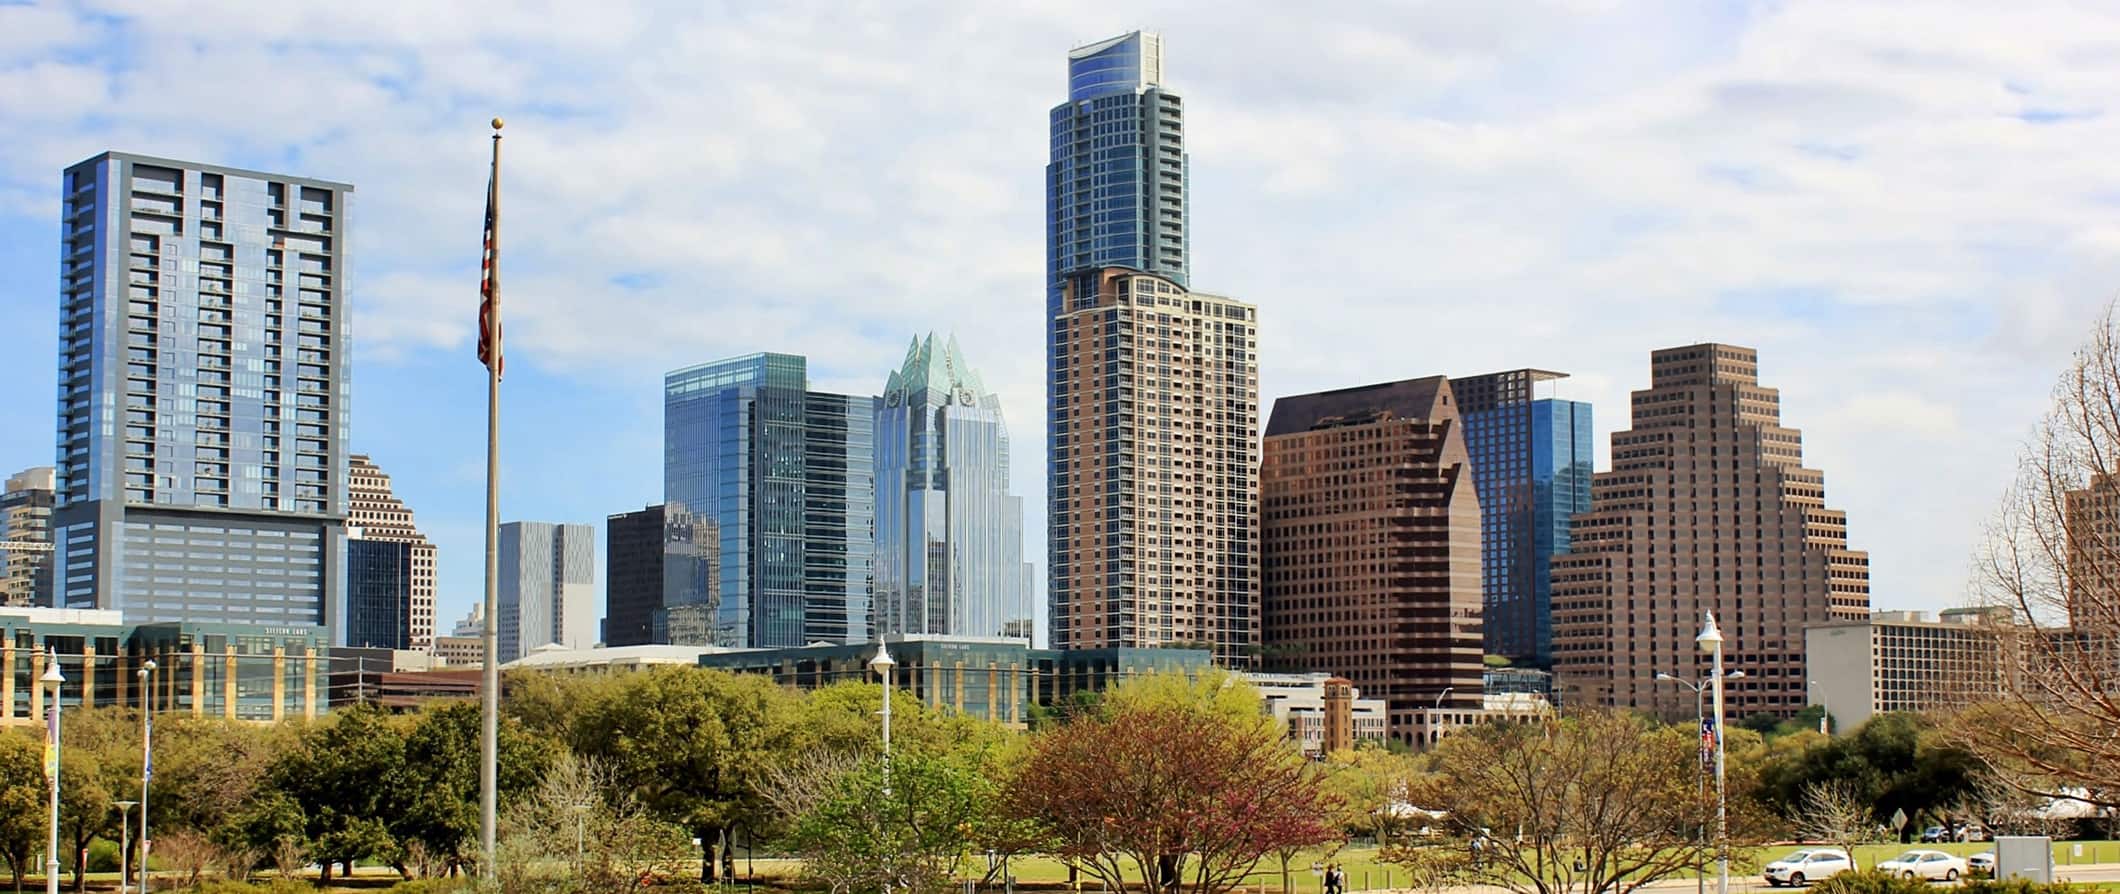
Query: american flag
point(489, 299)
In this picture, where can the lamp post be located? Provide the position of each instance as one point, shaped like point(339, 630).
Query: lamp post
point(124, 839)
point(1711, 642)
point(52, 680)
point(1700, 719)
point(580, 808)
point(1435, 716)
point(882, 665)
point(1825, 716)
point(147, 761)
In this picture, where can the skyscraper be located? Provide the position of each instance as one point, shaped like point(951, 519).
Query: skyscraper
point(375, 515)
point(949, 535)
point(26, 537)
point(202, 459)
point(1707, 508)
point(1152, 389)
point(1532, 461)
point(1370, 529)
point(662, 584)
point(547, 587)
point(786, 477)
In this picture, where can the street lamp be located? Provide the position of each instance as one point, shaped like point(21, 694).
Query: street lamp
point(1435, 716)
point(1700, 720)
point(52, 680)
point(882, 665)
point(147, 762)
point(1825, 701)
point(124, 839)
point(580, 808)
point(1711, 642)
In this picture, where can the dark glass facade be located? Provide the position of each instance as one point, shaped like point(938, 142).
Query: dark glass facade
point(378, 594)
point(1531, 463)
point(663, 583)
point(785, 478)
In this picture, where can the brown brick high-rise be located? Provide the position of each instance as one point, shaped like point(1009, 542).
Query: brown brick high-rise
point(1707, 508)
point(1153, 519)
point(1370, 530)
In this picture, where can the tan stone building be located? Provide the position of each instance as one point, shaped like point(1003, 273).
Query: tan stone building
point(379, 515)
point(1707, 508)
point(1370, 530)
point(1153, 520)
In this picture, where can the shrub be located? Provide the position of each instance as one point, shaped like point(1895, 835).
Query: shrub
point(2017, 886)
point(102, 856)
point(1870, 881)
point(276, 886)
point(434, 885)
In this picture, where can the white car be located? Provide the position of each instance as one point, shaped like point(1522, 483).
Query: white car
point(1983, 861)
point(1930, 865)
point(1806, 866)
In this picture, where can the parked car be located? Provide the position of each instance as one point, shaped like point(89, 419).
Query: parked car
point(1805, 866)
point(1931, 865)
point(1983, 861)
point(1935, 835)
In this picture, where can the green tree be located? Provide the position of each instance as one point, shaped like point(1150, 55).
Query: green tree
point(908, 824)
point(692, 745)
point(22, 802)
point(438, 806)
point(344, 777)
point(1894, 762)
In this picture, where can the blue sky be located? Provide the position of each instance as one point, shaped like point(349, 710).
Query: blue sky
point(1911, 211)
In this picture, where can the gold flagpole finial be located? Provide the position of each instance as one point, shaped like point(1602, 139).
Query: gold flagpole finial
point(496, 124)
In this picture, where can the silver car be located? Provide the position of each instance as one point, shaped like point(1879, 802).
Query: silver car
point(1806, 866)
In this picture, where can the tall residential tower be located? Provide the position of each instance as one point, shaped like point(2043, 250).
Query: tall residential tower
point(1531, 458)
point(949, 535)
point(785, 476)
point(1708, 508)
point(26, 537)
point(202, 459)
point(1151, 390)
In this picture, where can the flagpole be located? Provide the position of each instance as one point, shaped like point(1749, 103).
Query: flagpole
point(490, 688)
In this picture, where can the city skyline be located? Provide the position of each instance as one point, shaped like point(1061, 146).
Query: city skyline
point(1891, 336)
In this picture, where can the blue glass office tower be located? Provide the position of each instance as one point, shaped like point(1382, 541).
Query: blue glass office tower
point(786, 478)
point(1531, 463)
point(949, 535)
point(202, 462)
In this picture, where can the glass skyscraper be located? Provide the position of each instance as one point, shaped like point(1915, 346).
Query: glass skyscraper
point(949, 535)
point(1531, 463)
point(785, 478)
point(546, 587)
point(202, 462)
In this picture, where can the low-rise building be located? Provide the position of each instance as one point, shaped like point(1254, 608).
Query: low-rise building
point(239, 672)
point(1320, 712)
point(998, 678)
point(1904, 661)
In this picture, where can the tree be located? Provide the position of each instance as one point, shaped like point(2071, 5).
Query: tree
point(1598, 803)
point(344, 777)
point(2051, 567)
point(691, 745)
point(22, 802)
point(1179, 793)
point(903, 825)
point(1836, 813)
point(577, 826)
point(438, 807)
point(1894, 762)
